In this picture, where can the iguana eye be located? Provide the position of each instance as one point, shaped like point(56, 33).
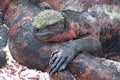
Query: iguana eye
point(36, 30)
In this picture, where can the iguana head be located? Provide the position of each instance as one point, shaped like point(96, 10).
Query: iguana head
point(47, 24)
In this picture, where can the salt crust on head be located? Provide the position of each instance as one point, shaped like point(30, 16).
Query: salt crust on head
point(47, 17)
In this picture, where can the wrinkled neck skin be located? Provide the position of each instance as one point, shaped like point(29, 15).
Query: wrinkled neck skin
point(71, 29)
point(75, 25)
point(84, 24)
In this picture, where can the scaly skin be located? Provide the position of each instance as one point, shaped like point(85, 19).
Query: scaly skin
point(19, 33)
point(87, 3)
point(35, 54)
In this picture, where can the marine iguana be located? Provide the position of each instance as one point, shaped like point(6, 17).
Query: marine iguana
point(72, 32)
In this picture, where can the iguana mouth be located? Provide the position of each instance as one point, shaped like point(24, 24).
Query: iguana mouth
point(43, 36)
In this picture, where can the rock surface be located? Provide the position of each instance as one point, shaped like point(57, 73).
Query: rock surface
point(2, 58)
point(14, 71)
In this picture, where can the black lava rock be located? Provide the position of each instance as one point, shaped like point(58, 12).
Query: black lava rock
point(3, 59)
point(3, 36)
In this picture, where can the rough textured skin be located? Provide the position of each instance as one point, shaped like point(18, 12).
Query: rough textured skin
point(4, 3)
point(35, 54)
point(87, 3)
point(94, 24)
point(99, 69)
point(24, 47)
